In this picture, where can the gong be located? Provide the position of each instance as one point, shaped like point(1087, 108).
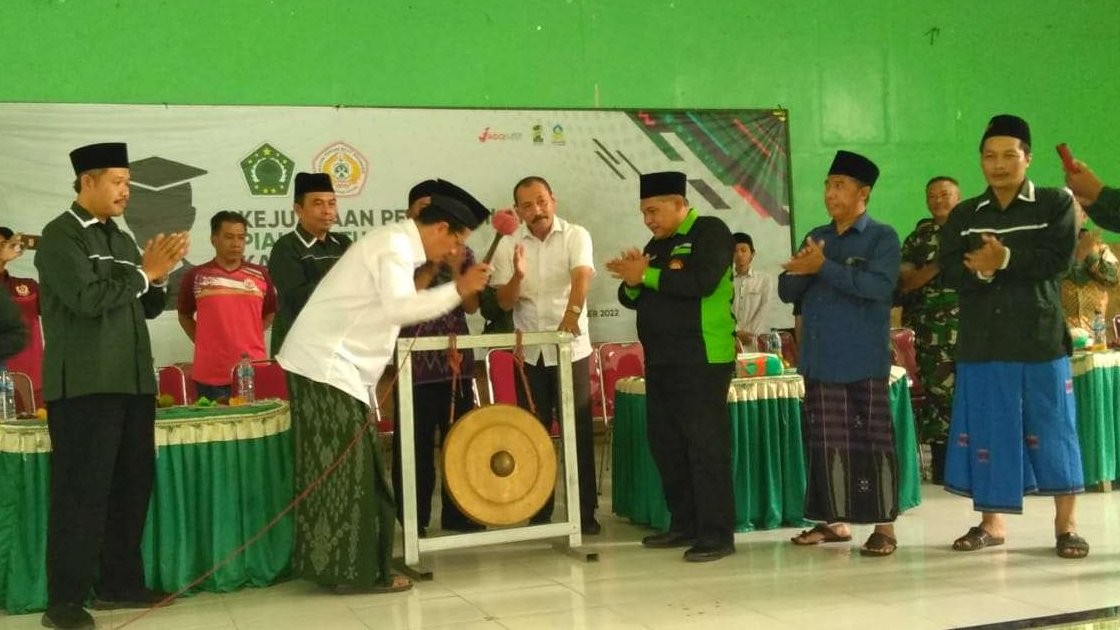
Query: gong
point(499, 465)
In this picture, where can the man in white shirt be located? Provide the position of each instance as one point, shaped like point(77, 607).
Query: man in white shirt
point(753, 291)
point(543, 272)
point(336, 350)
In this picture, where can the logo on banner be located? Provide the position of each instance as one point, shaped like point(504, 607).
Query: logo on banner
point(538, 134)
point(348, 168)
point(161, 200)
point(268, 172)
point(558, 135)
point(498, 136)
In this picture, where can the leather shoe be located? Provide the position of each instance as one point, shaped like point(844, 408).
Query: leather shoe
point(708, 553)
point(142, 598)
point(591, 528)
point(70, 616)
point(667, 540)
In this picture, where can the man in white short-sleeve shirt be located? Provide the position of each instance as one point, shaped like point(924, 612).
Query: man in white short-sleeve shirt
point(543, 272)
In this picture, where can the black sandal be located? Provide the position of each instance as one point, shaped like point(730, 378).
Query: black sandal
point(1071, 546)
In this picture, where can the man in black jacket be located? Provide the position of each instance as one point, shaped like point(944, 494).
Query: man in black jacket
point(681, 287)
point(1013, 429)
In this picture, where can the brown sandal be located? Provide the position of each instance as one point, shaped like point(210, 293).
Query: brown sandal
point(878, 546)
point(977, 538)
point(827, 535)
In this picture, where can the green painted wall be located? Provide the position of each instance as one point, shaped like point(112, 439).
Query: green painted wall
point(909, 83)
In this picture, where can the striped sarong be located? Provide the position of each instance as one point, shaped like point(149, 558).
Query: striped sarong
point(851, 467)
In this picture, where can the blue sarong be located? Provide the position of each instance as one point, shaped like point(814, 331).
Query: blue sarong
point(1013, 433)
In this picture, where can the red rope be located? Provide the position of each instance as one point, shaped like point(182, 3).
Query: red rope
point(371, 421)
point(455, 363)
point(519, 359)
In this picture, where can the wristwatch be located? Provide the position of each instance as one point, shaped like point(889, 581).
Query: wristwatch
point(575, 309)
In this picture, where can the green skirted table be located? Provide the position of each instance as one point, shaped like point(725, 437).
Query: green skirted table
point(1096, 389)
point(768, 457)
point(221, 474)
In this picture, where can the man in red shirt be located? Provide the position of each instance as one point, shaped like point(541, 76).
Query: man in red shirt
point(224, 307)
point(25, 293)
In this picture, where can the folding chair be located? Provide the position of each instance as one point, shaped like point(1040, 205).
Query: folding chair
point(904, 354)
point(270, 380)
point(615, 360)
point(789, 346)
point(25, 393)
point(173, 382)
point(502, 381)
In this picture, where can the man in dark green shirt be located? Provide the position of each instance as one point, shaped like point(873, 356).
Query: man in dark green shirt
point(1013, 430)
point(1102, 203)
point(301, 258)
point(681, 288)
point(97, 290)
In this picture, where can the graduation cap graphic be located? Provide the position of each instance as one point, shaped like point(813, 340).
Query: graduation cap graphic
point(161, 202)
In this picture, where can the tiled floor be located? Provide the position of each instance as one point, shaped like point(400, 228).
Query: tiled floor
point(768, 584)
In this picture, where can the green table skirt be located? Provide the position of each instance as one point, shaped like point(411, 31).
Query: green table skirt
point(219, 479)
point(1096, 389)
point(768, 457)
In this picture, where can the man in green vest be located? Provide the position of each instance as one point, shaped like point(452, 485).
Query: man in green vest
point(97, 290)
point(681, 287)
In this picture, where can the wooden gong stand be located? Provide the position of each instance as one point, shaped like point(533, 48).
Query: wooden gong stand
point(570, 528)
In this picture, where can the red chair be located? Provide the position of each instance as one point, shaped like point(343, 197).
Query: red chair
point(173, 382)
point(598, 405)
point(616, 360)
point(904, 354)
point(500, 376)
point(269, 380)
point(25, 393)
point(503, 381)
point(789, 346)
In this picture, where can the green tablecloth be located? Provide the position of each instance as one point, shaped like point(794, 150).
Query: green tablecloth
point(221, 475)
point(768, 457)
point(1096, 388)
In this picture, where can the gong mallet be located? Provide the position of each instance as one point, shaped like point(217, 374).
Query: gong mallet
point(505, 224)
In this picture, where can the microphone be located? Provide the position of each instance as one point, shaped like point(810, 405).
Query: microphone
point(505, 224)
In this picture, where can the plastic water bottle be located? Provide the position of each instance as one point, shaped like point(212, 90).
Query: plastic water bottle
point(244, 385)
point(7, 396)
point(774, 342)
point(1100, 339)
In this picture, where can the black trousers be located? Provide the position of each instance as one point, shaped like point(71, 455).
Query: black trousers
point(431, 409)
point(689, 433)
point(545, 387)
point(102, 471)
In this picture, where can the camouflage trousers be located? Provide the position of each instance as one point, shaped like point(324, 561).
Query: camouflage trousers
point(938, 373)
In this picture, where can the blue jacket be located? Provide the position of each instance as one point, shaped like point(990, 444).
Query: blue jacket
point(846, 306)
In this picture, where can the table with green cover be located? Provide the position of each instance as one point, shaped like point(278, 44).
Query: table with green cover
point(768, 457)
point(222, 473)
point(1096, 389)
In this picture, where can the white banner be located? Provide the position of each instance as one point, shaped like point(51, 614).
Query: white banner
point(190, 162)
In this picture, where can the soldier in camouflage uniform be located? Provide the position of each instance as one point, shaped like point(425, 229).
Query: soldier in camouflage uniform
point(930, 309)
